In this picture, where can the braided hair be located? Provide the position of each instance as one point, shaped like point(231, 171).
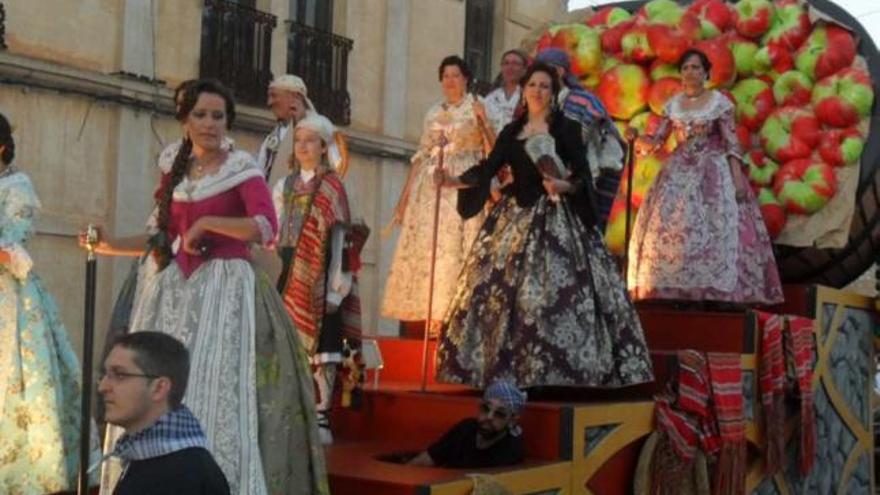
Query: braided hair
point(162, 241)
point(6, 141)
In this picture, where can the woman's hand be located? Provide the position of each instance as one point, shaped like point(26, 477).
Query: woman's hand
point(631, 134)
point(192, 239)
point(556, 186)
point(440, 176)
point(104, 244)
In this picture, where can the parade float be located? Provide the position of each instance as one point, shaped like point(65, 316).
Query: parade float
point(803, 77)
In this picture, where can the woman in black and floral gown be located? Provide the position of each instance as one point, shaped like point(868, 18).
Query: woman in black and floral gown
point(539, 300)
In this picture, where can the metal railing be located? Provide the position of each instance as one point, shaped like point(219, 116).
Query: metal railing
point(237, 48)
point(320, 58)
point(2, 26)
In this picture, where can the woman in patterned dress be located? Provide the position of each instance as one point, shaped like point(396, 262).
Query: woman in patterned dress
point(39, 372)
point(249, 385)
point(699, 235)
point(539, 300)
point(461, 120)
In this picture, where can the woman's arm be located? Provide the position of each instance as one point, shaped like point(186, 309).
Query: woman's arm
point(117, 246)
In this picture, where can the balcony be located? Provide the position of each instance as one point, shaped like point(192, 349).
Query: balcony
point(320, 58)
point(2, 27)
point(237, 48)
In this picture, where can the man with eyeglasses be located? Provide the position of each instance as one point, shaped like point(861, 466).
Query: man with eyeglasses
point(492, 439)
point(163, 450)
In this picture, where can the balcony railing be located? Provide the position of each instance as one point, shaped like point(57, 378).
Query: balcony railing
point(2, 27)
point(320, 58)
point(237, 48)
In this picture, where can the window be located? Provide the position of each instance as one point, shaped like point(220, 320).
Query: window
point(237, 47)
point(478, 41)
point(316, 14)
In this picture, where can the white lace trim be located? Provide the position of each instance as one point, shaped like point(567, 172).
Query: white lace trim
point(238, 168)
point(716, 106)
point(266, 235)
point(167, 156)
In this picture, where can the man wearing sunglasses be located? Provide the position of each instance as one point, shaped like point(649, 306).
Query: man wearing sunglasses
point(491, 439)
point(163, 449)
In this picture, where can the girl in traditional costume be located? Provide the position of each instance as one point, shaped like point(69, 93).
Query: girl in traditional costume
point(249, 383)
point(539, 300)
point(39, 371)
point(699, 234)
point(315, 245)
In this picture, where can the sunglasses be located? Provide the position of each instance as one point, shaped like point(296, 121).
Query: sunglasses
point(493, 412)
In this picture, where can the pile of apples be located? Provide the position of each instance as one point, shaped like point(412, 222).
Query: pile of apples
point(800, 98)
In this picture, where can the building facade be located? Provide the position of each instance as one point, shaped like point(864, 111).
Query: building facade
point(88, 86)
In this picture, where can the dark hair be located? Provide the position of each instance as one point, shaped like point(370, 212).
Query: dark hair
point(162, 250)
point(160, 354)
point(458, 62)
point(704, 60)
point(556, 85)
point(6, 141)
point(513, 51)
point(182, 87)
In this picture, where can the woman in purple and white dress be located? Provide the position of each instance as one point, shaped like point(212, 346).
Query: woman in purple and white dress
point(699, 235)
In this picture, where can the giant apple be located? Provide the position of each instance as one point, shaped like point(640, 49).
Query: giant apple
point(843, 98)
point(583, 47)
point(773, 60)
point(612, 37)
point(804, 186)
point(624, 90)
point(790, 133)
point(744, 51)
point(772, 211)
point(723, 71)
point(754, 102)
point(660, 69)
point(714, 16)
point(661, 91)
point(751, 18)
point(839, 147)
point(761, 169)
point(609, 17)
point(792, 88)
point(790, 25)
point(828, 49)
point(668, 43)
point(635, 45)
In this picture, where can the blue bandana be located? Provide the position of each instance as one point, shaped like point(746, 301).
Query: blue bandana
point(174, 431)
point(507, 393)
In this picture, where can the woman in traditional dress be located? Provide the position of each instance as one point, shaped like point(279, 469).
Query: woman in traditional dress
point(460, 122)
point(317, 283)
point(39, 372)
point(539, 300)
point(249, 382)
point(699, 234)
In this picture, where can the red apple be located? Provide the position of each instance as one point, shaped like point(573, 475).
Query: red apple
point(773, 60)
point(744, 136)
point(660, 93)
point(772, 211)
point(636, 47)
point(790, 26)
point(612, 37)
point(609, 17)
point(804, 186)
point(660, 69)
point(790, 133)
point(844, 98)
point(546, 39)
point(723, 72)
point(793, 88)
point(583, 47)
point(754, 102)
point(751, 18)
point(624, 90)
point(839, 147)
point(743, 51)
point(828, 49)
point(714, 15)
point(666, 12)
point(668, 43)
point(760, 168)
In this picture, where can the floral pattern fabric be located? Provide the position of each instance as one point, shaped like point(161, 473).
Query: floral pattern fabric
point(406, 290)
point(39, 371)
point(692, 239)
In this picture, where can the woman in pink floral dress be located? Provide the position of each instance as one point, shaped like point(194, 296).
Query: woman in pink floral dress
point(699, 234)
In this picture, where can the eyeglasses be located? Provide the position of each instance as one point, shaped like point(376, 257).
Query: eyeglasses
point(118, 376)
point(501, 413)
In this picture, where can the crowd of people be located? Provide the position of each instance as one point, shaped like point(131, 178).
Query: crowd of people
point(227, 340)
